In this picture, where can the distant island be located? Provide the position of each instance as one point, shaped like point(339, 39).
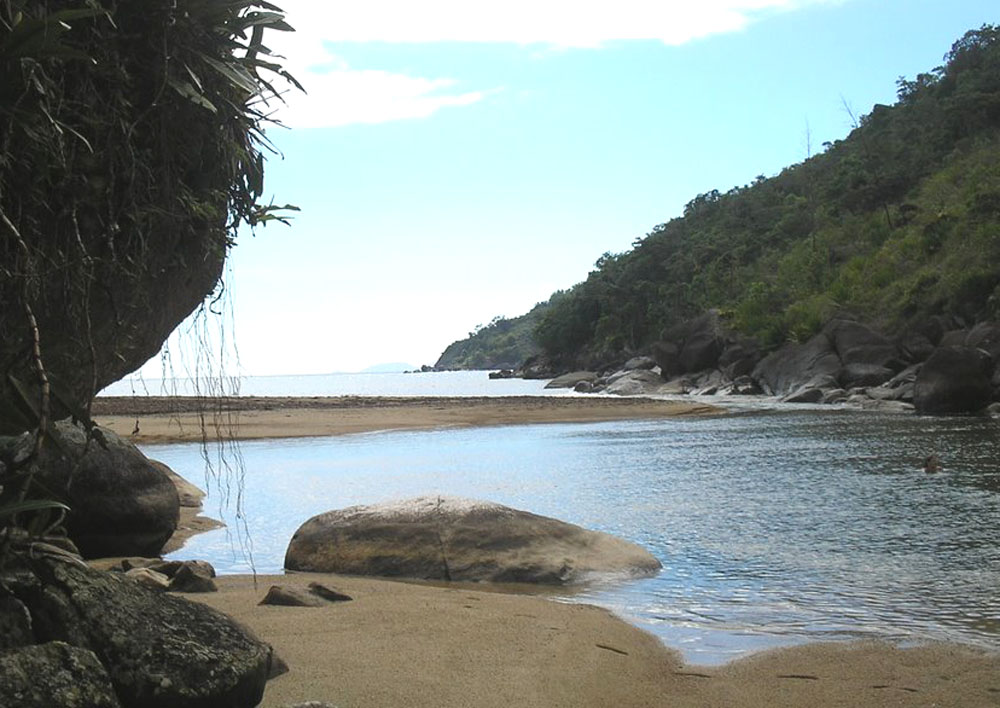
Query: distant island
point(390, 368)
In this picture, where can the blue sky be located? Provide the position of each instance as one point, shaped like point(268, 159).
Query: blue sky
point(453, 165)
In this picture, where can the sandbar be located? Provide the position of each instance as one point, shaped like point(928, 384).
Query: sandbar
point(419, 645)
point(150, 420)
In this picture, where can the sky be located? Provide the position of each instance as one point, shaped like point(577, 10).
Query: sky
point(455, 160)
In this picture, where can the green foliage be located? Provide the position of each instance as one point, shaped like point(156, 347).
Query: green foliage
point(131, 152)
point(502, 344)
point(898, 221)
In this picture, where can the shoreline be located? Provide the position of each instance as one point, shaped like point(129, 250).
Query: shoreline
point(421, 644)
point(414, 644)
point(162, 419)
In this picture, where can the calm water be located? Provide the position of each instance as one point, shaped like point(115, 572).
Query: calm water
point(441, 383)
point(773, 528)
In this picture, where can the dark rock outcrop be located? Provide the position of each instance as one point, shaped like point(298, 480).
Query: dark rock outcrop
point(690, 346)
point(955, 379)
point(159, 650)
point(446, 538)
point(856, 344)
point(846, 362)
point(121, 503)
point(193, 578)
point(791, 367)
point(54, 674)
point(856, 374)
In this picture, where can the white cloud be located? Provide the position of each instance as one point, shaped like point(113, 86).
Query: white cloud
point(340, 95)
point(566, 23)
point(344, 96)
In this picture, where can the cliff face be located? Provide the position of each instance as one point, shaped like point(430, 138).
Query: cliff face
point(127, 161)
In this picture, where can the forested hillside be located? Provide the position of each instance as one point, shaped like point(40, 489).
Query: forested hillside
point(897, 222)
point(502, 344)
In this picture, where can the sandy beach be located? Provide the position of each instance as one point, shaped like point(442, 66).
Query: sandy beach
point(417, 645)
point(422, 646)
point(146, 420)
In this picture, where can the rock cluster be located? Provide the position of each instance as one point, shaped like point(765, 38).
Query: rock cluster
point(447, 538)
point(939, 369)
point(173, 575)
point(81, 637)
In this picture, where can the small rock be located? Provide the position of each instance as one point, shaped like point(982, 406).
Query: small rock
point(278, 666)
point(310, 704)
point(328, 594)
point(291, 597)
point(193, 578)
point(149, 578)
point(837, 395)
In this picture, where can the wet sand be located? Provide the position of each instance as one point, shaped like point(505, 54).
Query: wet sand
point(172, 419)
point(417, 645)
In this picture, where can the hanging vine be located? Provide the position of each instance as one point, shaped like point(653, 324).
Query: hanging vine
point(132, 151)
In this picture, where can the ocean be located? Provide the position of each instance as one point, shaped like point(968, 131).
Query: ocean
point(439, 383)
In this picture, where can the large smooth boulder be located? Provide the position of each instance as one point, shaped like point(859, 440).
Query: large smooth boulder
point(54, 674)
point(571, 379)
point(954, 379)
point(121, 503)
point(159, 650)
point(855, 343)
point(637, 382)
point(448, 538)
point(788, 369)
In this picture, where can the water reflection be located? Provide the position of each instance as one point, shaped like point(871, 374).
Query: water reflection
point(773, 528)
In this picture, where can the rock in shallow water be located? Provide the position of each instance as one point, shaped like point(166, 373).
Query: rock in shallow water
point(447, 538)
point(121, 503)
point(954, 380)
